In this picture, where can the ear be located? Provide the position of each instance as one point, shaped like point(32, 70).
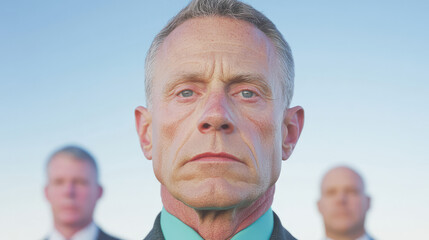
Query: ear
point(293, 122)
point(100, 191)
point(45, 190)
point(368, 203)
point(144, 130)
point(318, 206)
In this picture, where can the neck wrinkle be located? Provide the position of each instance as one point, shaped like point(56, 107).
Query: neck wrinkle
point(218, 224)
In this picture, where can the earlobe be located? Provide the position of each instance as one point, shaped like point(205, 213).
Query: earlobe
point(293, 122)
point(100, 191)
point(46, 193)
point(318, 206)
point(144, 130)
point(368, 205)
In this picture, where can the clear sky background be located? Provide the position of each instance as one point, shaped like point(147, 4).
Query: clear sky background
point(73, 72)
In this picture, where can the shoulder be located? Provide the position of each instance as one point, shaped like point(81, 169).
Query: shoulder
point(104, 236)
point(156, 232)
point(279, 232)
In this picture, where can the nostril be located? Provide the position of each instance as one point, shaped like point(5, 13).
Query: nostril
point(225, 126)
point(206, 125)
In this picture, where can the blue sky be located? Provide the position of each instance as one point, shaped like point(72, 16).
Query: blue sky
point(72, 72)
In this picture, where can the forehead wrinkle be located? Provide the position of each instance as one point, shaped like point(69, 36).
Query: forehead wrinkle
point(228, 47)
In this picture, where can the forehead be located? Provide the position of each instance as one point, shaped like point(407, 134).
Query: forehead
point(66, 165)
point(213, 38)
point(215, 30)
point(342, 177)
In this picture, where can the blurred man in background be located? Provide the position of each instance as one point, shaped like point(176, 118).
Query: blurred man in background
point(343, 204)
point(73, 190)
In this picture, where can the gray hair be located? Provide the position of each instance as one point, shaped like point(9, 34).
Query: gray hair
point(78, 153)
point(232, 9)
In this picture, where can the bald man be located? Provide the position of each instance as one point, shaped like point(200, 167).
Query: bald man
point(343, 204)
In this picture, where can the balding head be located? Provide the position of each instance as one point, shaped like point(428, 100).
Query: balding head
point(343, 203)
point(342, 174)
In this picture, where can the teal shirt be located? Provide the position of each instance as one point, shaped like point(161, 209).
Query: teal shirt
point(173, 228)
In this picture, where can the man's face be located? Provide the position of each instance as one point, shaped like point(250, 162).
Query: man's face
point(72, 190)
point(217, 123)
point(343, 203)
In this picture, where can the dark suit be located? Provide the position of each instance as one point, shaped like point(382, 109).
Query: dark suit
point(101, 236)
point(279, 232)
point(104, 236)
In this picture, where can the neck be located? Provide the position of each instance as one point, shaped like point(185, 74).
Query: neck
point(68, 230)
point(350, 235)
point(217, 224)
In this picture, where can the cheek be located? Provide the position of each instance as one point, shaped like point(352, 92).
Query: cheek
point(86, 195)
point(360, 207)
point(171, 125)
point(265, 134)
point(56, 194)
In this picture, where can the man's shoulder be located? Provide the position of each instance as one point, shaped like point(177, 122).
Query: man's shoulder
point(104, 236)
point(279, 232)
point(156, 232)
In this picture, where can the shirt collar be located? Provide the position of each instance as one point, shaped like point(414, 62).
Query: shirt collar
point(89, 232)
point(363, 237)
point(172, 227)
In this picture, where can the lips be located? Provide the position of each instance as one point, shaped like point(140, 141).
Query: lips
point(215, 157)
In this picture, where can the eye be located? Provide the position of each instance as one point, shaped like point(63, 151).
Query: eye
point(247, 94)
point(82, 182)
point(186, 93)
point(58, 182)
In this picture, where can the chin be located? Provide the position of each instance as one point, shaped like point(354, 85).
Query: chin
point(343, 227)
point(216, 194)
point(70, 220)
point(71, 217)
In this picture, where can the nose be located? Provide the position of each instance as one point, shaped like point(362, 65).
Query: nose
point(70, 190)
point(341, 198)
point(216, 115)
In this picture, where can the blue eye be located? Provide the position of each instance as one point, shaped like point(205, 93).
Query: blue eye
point(186, 93)
point(247, 94)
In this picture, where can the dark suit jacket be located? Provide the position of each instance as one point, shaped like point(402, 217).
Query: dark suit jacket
point(101, 236)
point(104, 236)
point(279, 232)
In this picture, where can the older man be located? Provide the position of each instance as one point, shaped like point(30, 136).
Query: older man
point(219, 81)
point(73, 190)
point(343, 204)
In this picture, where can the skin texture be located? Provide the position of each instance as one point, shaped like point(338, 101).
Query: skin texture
point(343, 204)
point(72, 191)
point(217, 129)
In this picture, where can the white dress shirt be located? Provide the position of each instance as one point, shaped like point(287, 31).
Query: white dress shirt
point(363, 237)
point(90, 232)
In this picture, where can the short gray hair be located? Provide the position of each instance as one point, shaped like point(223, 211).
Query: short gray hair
point(232, 9)
point(78, 153)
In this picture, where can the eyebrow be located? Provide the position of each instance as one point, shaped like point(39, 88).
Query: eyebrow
point(254, 79)
point(183, 78)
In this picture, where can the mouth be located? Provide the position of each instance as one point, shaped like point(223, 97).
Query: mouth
point(69, 209)
point(215, 157)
